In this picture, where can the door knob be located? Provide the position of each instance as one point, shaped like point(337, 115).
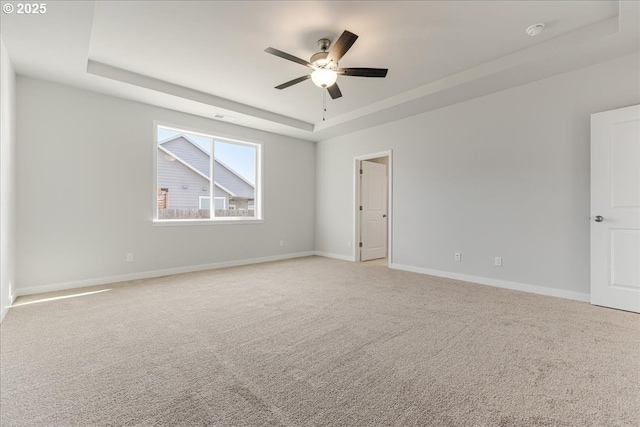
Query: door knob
point(384, 215)
point(598, 218)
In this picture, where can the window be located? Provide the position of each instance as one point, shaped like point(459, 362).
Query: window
point(192, 167)
point(204, 202)
point(220, 203)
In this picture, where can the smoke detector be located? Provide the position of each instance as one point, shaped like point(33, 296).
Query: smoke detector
point(536, 29)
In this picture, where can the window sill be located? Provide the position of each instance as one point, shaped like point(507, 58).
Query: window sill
point(206, 222)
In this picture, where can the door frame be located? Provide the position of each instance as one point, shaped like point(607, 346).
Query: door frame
point(604, 292)
point(356, 202)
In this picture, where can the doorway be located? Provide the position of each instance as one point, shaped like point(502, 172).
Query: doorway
point(373, 207)
point(615, 208)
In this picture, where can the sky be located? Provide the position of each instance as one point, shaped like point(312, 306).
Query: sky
point(240, 158)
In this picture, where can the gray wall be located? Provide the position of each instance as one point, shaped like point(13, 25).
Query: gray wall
point(502, 175)
point(7, 179)
point(506, 174)
point(80, 236)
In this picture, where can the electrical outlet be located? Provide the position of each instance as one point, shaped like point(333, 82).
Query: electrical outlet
point(458, 256)
point(129, 257)
point(348, 243)
point(281, 243)
point(498, 262)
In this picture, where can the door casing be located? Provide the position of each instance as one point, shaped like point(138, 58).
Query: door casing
point(615, 213)
point(356, 202)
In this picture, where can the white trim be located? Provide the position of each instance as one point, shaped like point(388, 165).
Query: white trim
point(224, 199)
point(258, 202)
point(257, 144)
point(534, 289)
point(154, 177)
point(220, 220)
point(6, 308)
point(207, 133)
point(377, 155)
point(336, 256)
point(356, 203)
point(155, 273)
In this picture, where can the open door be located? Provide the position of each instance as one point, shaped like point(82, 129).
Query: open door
point(615, 209)
point(373, 210)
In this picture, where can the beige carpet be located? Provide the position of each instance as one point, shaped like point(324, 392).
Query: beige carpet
point(316, 342)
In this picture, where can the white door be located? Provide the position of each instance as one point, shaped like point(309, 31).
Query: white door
point(615, 208)
point(373, 214)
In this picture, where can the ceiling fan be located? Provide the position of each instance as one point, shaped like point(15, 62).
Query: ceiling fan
point(325, 65)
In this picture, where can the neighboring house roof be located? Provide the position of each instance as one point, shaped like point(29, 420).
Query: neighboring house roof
point(196, 171)
point(197, 159)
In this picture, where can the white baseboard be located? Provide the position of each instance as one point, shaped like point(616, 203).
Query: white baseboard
point(335, 256)
point(535, 289)
point(54, 287)
point(577, 296)
point(6, 308)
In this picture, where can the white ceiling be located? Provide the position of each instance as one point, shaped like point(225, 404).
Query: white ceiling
point(207, 57)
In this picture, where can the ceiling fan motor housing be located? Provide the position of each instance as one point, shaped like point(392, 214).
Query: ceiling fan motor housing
point(319, 59)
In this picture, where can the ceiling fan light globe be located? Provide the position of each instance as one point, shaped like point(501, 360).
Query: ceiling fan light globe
point(323, 77)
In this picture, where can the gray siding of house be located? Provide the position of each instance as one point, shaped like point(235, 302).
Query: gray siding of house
point(174, 175)
point(185, 150)
point(232, 182)
point(189, 153)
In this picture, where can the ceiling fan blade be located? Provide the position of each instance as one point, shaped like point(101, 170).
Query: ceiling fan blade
point(334, 91)
point(363, 72)
point(285, 55)
point(341, 46)
point(293, 82)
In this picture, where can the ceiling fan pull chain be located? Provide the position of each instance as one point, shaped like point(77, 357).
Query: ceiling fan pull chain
point(324, 105)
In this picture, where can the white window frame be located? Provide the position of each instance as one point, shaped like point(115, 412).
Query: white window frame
point(215, 136)
point(224, 202)
point(200, 199)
